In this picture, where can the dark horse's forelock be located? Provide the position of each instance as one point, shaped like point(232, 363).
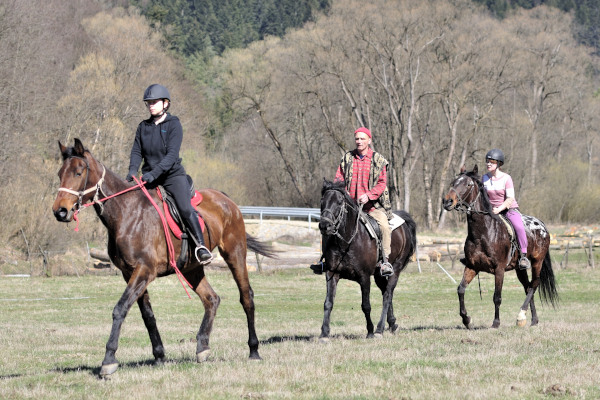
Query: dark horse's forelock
point(339, 186)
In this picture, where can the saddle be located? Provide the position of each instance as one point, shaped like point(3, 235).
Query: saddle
point(174, 220)
point(375, 231)
point(172, 215)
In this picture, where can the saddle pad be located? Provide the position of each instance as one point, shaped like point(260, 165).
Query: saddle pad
point(509, 227)
point(197, 199)
point(396, 221)
point(373, 228)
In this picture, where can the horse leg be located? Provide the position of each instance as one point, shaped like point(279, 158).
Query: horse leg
point(468, 275)
point(530, 288)
point(148, 316)
point(210, 301)
point(365, 289)
point(387, 287)
point(332, 281)
point(237, 266)
point(499, 281)
point(136, 285)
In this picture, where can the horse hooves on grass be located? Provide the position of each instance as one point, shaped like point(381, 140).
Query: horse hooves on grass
point(255, 357)
point(521, 322)
point(108, 369)
point(324, 339)
point(378, 335)
point(202, 356)
point(522, 319)
point(394, 328)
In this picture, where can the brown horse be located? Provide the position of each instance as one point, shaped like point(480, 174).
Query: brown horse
point(488, 249)
point(137, 246)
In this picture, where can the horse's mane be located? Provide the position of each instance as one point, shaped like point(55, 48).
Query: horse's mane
point(339, 186)
point(485, 199)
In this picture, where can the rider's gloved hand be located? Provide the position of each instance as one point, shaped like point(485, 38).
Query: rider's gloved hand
point(147, 177)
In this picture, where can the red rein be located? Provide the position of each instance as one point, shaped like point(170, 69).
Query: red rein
point(170, 247)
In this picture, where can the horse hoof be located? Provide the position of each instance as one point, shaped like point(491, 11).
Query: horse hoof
point(108, 369)
point(521, 319)
point(202, 356)
point(378, 335)
point(323, 340)
point(394, 328)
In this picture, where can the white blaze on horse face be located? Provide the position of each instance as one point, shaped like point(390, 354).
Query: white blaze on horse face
point(466, 181)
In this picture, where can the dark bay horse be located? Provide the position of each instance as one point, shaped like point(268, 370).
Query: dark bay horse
point(137, 246)
point(350, 253)
point(488, 249)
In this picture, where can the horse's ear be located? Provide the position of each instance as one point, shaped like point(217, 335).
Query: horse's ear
point(78, 148)
point(63, 150)
point(475, 169)
point(462, 169)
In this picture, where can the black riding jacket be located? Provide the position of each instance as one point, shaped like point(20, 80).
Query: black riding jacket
point(158, 146)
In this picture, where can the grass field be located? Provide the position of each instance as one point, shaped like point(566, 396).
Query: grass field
point(53, 332)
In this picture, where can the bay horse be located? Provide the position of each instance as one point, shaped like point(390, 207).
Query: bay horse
point(488, 249)
point(351, 253)
point(137, 246)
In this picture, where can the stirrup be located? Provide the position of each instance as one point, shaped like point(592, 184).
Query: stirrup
point(386, 269)
point(524, 263)
point(203, 258)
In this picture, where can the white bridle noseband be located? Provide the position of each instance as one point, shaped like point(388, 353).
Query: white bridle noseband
point(97, 187)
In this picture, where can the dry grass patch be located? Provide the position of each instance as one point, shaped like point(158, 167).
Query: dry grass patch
point(54, 332)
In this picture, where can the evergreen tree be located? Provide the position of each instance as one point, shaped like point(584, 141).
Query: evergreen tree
point(186, 24)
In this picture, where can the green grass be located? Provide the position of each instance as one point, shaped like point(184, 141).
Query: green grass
point(53, 332)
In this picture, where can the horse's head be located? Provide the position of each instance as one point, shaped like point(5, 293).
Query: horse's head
point(79, 179)
point(333, 206)
point(463, 191)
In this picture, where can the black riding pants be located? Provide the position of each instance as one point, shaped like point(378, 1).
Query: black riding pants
point(179, 187)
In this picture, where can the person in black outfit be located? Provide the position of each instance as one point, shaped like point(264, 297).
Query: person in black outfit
point(157, 143)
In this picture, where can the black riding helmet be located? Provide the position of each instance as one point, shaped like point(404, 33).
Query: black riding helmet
point(495, 154)
point(155, 92)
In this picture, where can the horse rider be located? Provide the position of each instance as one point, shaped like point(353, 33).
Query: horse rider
point(364, 172)
point(157, 143)
point(501, 191)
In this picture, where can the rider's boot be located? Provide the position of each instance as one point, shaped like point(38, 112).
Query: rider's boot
point(386, 267)
point(524, 262)
point(319, 267)
point(203, 255)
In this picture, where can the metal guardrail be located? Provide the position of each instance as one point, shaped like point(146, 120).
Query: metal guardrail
point(289, 212)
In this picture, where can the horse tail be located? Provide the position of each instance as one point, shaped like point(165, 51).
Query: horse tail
point(410, 227)
point(259, 247)
point(548, 289)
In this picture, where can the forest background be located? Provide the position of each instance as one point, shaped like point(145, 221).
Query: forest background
point(269, 93)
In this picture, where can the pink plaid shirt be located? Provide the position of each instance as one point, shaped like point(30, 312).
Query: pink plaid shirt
point(360, 180)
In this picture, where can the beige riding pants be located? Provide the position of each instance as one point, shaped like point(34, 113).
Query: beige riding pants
point(386, 232)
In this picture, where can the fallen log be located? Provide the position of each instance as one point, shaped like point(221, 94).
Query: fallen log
point(100, 254)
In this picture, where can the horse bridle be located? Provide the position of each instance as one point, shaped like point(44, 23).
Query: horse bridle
point(339, 218)
point(462, 205)
point(80, 194)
